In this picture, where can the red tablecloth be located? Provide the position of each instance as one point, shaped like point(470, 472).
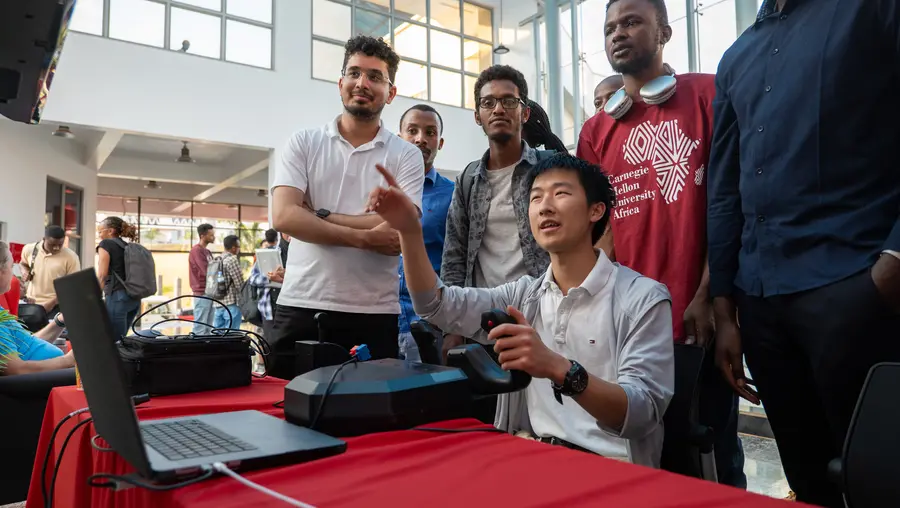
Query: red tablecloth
point(404, 468)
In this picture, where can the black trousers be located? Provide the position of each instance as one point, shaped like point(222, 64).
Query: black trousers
point(378, 331)
point(809, 354)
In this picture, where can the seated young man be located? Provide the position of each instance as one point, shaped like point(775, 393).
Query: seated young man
point(20, 351)
point(596, 337)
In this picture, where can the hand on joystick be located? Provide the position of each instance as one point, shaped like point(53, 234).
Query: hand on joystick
point(520, 347)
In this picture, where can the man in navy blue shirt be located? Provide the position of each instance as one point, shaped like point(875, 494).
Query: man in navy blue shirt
point(422, 126)
point(804, 236)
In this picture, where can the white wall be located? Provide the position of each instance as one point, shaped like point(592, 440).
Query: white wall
point(113, 84)
point(29, 156)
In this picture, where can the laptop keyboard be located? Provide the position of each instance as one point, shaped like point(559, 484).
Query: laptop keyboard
point(187, 439)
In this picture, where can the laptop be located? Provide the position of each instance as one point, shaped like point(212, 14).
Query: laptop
point(171, 448)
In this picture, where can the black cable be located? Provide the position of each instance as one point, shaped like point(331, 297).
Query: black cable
point(328, 388)
point(50, 448)
point(279, 404)
point(97, 447)
point(115, 480)
point(49, 499)
point(460, 431)
point(167, 302)
point(262, 347)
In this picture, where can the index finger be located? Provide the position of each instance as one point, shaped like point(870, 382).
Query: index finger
point(388, 177)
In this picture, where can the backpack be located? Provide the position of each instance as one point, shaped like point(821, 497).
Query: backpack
point(467, 177)
point(216, 279)
point(249, 303)
point(140, 271)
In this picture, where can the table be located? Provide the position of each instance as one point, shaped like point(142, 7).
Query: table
point(397, 469)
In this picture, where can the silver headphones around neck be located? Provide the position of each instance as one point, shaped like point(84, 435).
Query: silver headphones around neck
point(654, 93)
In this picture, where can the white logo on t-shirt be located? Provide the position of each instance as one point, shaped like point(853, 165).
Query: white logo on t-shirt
point(667, 148)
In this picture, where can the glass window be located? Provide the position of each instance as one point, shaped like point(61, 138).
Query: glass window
point(248, 44)
point(202, 31)
point(138, 21)
point(372, 24)
point(215, 5)
point(717, 30)
point(470, 91)
point(72, 221)
point(327, 60)
point(478, 56)
point(411, 41)
point(412, 80)
point(677, 9)
point(446, 87)
point(258, 10)
point(477, 22)
point(445, 49)
point(381, 5)
point(445, 15)
point(88, 17)
point(331, 20)
point(676, 51)
point(256, 214)
point(414, 10)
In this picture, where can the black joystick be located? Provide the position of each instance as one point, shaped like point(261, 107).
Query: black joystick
point(494, 318)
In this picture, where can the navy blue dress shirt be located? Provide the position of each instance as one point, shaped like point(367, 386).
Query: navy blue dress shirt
point(804, 171)
point(436, 195)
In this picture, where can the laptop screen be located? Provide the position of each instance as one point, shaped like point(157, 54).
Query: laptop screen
point(100, 367)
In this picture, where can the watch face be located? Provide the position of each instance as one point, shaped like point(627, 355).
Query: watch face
point(577, 378)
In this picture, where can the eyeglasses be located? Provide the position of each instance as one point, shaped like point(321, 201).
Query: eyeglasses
point(506, 102)
point(374, 77)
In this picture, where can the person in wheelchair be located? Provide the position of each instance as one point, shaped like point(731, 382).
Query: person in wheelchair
point(20, 351)
point(595, 336)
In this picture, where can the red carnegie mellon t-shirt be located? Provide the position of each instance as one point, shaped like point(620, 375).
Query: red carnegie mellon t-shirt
point(656, 158)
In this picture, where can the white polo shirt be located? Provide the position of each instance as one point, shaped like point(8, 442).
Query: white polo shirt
point(335, 176)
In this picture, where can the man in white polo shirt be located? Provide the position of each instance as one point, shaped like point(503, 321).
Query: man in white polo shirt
point(343, 261)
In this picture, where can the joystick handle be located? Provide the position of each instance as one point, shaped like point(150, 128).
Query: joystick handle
point(494, 318)
point(490, 320)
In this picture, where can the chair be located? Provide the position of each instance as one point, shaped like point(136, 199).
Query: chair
point(688, 445)
point(868, 471)
point(23, 399)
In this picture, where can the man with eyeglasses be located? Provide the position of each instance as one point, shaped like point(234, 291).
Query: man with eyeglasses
point(343, 261)
point(488, 241)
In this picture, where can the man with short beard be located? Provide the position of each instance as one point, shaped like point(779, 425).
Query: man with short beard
point(342, 260)
point(489, 240)
point(422, 126)
point(656, 157)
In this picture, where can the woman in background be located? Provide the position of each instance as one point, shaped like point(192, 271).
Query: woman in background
point(122, 308)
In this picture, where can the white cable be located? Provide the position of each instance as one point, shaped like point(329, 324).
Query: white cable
point(222, 468)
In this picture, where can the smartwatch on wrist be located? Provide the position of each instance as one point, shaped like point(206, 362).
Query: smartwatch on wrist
point(58, 322)
point(576, 382)
point(322, 213)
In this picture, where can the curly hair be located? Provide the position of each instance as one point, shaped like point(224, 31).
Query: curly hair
point(536, 131)
point(371, 46)
point(501, 73)
point(121, 228)
point(597, 186)
point(662, 13)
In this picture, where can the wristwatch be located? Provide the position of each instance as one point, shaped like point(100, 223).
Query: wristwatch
point(322, 213)
point(576, 381)
point(60, 323)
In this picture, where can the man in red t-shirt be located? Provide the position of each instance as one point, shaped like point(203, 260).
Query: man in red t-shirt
point(656, 158)
point(198, 261)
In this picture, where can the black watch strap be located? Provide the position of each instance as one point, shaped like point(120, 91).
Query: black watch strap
point(576, 382)
point(322, 213)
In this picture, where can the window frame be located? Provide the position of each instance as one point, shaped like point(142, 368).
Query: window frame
point(395, 21)
point(223, 16)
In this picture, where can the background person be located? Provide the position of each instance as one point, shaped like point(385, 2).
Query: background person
point(121, 307)
point(42, 263)
point(198, 263)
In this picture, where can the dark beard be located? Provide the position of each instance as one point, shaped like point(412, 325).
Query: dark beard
point(637, 64)
point(362, 112)
point(501, 138)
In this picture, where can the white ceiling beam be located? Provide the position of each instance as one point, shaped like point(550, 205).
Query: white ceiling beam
point(98, 154)
point(224, 184)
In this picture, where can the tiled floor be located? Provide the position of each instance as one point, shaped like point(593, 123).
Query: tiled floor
point(762, 466)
